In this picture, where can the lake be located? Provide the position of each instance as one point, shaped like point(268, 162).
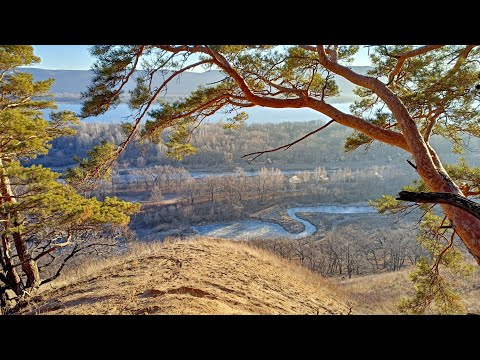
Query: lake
point(256, 114)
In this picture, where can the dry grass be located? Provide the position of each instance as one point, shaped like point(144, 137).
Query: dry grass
point(214, 276)
point(380, 293)
point(198, 276)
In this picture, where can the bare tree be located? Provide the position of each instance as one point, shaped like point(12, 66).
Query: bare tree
point(320, 175)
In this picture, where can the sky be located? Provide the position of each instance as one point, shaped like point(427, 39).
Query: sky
point(64, 57)
point(77, 57)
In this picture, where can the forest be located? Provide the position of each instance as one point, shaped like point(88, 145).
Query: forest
point(220, 148)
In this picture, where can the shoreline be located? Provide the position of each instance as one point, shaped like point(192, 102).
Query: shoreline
point(293, 221)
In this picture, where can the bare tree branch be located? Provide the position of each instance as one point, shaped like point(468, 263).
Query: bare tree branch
point(59, 270)
point(412, 164)
point(441, 198)
point(288, 146)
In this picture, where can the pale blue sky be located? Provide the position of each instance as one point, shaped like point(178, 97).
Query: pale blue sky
point(67, 57)
point(77, 57)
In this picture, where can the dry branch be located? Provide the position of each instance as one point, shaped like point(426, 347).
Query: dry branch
point(288, 146)
point(441, 198)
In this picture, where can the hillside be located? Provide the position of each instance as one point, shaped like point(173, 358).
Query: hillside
point(380, 293)
point(69, 84)
point(200, 276)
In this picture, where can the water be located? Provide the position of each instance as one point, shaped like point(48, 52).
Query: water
point(310, 229)
point(242, 230)
point(256, 114)
point(117, 115)
point(250, 229)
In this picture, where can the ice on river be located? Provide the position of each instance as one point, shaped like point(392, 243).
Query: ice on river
point(249, 229)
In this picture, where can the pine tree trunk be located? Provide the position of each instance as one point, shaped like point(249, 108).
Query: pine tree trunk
point(428, 164)
point(431, 170)
point(11, 273)
point(12, 278)
point(466, 225)
point(29, 266)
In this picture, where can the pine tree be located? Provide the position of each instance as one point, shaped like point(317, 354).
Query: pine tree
point(43, 222)
point(410, 93)
point(435, 276)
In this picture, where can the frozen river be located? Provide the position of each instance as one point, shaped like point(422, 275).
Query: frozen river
point(250, 229)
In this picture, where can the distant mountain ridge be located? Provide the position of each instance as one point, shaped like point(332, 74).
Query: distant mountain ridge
point(69, 84)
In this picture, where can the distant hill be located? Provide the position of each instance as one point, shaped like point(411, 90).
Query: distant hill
point(346, 87)
point(198, 276)
point(69, 84)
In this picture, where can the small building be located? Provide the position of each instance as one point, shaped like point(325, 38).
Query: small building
point(294, 180)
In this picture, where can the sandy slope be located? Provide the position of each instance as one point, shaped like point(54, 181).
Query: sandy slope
point(380, 293)
point(202, 276)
